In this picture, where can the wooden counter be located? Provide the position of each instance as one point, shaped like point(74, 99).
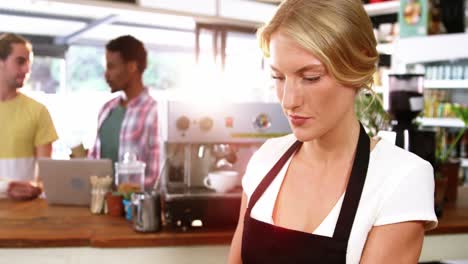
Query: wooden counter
point(35, 224)
point(454, 219)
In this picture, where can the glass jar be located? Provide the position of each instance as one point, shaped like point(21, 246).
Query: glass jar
point(129, 174)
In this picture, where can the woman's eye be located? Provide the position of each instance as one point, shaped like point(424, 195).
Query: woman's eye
point(311, 78)
point(277, 78)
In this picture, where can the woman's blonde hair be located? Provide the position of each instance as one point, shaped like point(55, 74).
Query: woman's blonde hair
point(338, 32)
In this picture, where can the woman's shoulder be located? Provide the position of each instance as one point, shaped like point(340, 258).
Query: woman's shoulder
point(264, 159)
point(386, 154)
point(270, 151)
point(392, 168)
point(277, 144)
point(401, 186)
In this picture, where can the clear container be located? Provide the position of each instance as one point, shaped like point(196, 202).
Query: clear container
point(129, 174)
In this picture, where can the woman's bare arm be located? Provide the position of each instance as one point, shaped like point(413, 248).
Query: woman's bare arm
point(394, 243)
point(236, 244)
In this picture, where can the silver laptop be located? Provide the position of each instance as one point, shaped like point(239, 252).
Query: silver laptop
point(67, 182)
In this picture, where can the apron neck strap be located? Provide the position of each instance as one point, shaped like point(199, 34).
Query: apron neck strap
point(354, 188)
point(271, 175)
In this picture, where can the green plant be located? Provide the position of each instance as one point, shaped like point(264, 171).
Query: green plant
point(125, 195)
point(442, 154)
point(370, 111)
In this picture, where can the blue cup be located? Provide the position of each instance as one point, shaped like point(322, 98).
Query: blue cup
point(127, 204)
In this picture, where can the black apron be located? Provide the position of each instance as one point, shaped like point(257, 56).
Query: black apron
point(266, 243)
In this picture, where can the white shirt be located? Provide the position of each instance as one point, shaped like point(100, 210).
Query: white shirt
point(399, 187)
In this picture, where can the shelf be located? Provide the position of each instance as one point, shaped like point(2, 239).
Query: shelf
point(431, 48)
point(440, 122)
point(436, 84)
point(446, 84)
point(383, 8)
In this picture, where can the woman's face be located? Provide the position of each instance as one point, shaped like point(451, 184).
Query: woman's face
point(311, 98)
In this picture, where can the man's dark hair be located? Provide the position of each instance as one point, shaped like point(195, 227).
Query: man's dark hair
point(6, 42)
point(130, 49)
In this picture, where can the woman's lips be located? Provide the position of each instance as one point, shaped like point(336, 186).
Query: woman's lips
point(297, 120)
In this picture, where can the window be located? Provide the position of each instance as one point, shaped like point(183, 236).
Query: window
point(244, 68)
point(85, 68)
point(232, 62)
point(167, 70)
point(46, 75)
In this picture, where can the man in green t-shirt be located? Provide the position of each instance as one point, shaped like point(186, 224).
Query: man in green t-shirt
point(27, 131)
point(129, 122)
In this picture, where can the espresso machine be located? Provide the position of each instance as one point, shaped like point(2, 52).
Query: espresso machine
point(202, 138)
point(404, 100)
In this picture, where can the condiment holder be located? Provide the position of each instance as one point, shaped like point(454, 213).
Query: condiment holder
point(99, 187)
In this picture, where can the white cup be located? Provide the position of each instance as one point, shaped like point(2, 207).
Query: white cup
point(222, 180)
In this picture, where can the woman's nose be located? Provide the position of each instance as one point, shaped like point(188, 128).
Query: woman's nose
point(292, 95)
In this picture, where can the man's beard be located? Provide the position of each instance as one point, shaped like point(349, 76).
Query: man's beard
point(15, 84)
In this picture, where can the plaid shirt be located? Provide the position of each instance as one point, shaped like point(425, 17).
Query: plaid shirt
point(139, 133)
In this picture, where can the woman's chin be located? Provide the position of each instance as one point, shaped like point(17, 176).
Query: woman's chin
point(304, 135)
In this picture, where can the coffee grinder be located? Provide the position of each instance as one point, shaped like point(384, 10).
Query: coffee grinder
point(404, 100)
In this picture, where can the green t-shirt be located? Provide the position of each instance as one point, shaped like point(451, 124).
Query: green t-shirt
point(109, 134)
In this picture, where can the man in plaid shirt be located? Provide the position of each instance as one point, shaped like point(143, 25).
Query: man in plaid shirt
point(128, 123)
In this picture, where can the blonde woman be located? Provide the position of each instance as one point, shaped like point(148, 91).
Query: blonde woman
point(328, 193)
